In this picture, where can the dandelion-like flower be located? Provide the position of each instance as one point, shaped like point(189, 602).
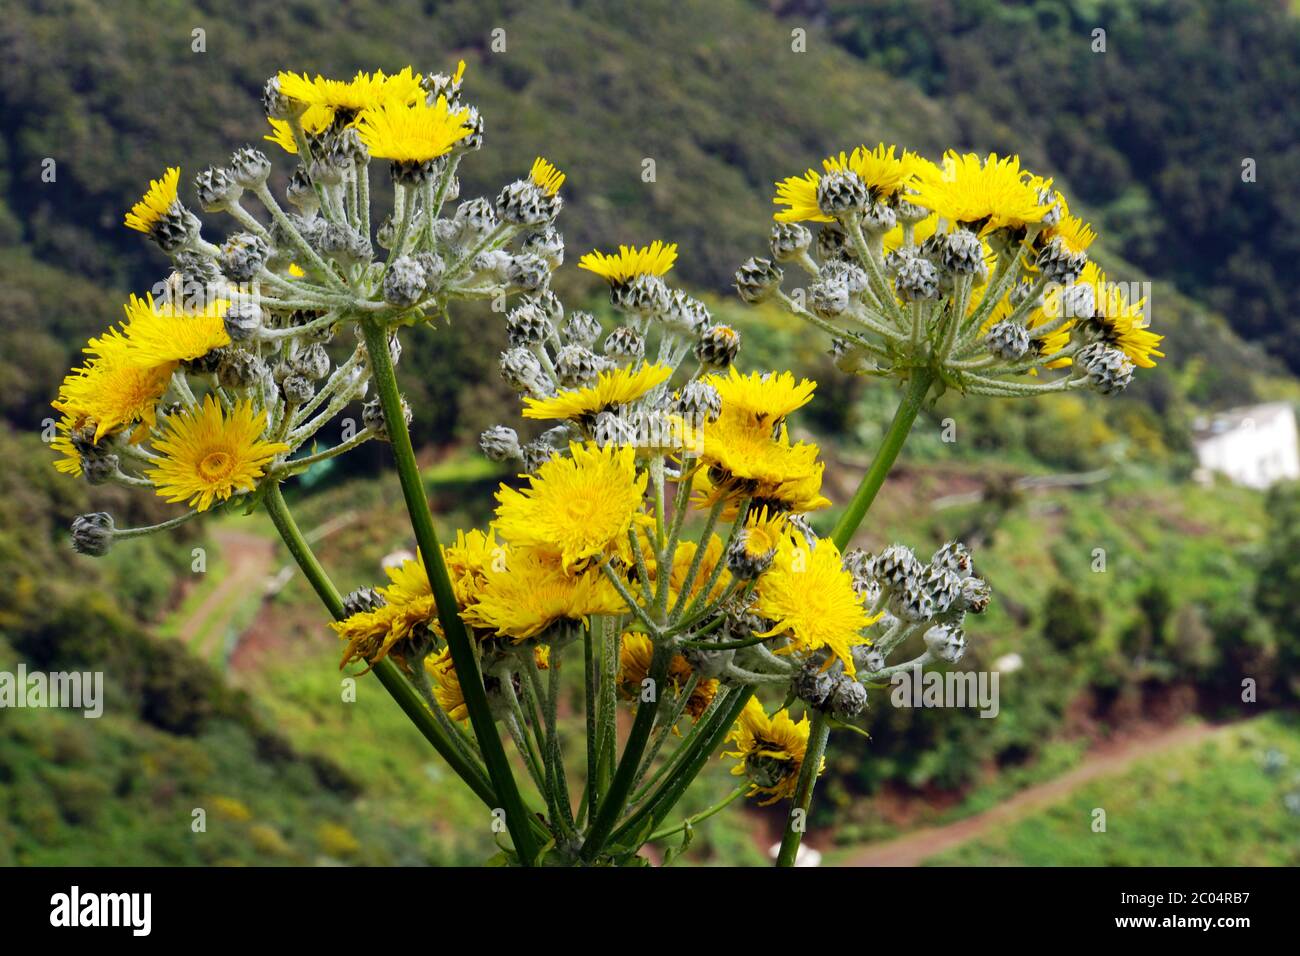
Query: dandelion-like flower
point(810, 597)
point(655, 260)
point(614, 387)
point(770, 751)
point(156, 203)
point(412, 134)
point(575, 507)
point(209, 455)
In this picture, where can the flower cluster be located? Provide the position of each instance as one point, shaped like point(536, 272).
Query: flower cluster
point(219, 381)
point(973, 271)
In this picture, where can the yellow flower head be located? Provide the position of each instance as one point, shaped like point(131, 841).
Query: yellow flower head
point(770, 751)
point(535, 591)
point(469, 562)
point(371, 635)
point(992, 193)
point(315, 121)
point(882, 171)
point(546, 177)
point(616, 387)
point(209, 456)
point(70, 463)
point(575, 507)
point(158, 335)
point(349, 97)
point(810, 598)
point(413, 133)
point(766, 398)
point(654, 259)
point(740, 448)
point(112, 389)
point(1123, 324)
point(155, 203)
point(635, 657)
point(446, 685)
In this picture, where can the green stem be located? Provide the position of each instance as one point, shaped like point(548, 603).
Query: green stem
point(917, 388)
point(812, 762)
point(463, 655)
point(630, 763)
point(703, 815)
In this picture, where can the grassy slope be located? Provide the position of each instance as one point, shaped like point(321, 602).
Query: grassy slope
point(1211, 805)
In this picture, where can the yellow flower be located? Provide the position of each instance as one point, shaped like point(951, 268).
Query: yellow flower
point(209, 456)
point(771, 751)
point(990, 193)
point(546, 177)
point(575, 507)
point(616, 387)
point(743, 449)
point(469, 561)
point(412, 134)
point(113, 390)
point(1123, 323)
point(155, 203)
point(765, 397)
point(654, 259)
point(349, 97)
point(809, 597)
point(315, 121)
point(70, 463)
point(161, 335)
point(446, 685)
point(635, 654)
point(881, 171)
point(371, 635)
point(535, 591)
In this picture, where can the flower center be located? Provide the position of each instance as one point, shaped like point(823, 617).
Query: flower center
point(216, 465)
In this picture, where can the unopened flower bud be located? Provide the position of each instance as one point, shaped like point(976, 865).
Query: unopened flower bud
point(788, 240)
point(848, 699)
point(527, 326)
point(577, 366)
point(500, 443)
point(841, 191)
point(362, 600)
point(1107, 370)
point(758, 279)
point(405, 282)
point(242, 320)
point(249, 167)
point(813, 685)
point(297, 389)
point(1008, 340)
point(963, 253)
point(582, 328)
point(216, 189)
point(718, 347)
point(372, 417)
point(624, 346)
point(92, 534)
point(946, 642)
point(917, 279)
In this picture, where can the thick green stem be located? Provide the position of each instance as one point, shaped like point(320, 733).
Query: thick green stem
point(918, 387)
point(463, 655)
point(406, 696)
point(812, 763)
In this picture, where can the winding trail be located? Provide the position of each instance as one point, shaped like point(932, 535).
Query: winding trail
point(913, 848)
point(247, 560)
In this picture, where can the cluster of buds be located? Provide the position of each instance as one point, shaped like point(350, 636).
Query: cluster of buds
point(973, 272)
point(220, 381)
point(601, 384)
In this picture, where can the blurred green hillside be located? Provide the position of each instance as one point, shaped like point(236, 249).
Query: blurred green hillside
point(713, 94)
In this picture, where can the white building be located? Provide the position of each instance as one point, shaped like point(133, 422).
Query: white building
point(1255, 446)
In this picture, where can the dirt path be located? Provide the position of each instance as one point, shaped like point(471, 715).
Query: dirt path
point(248, 559)
point(1109, 759)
